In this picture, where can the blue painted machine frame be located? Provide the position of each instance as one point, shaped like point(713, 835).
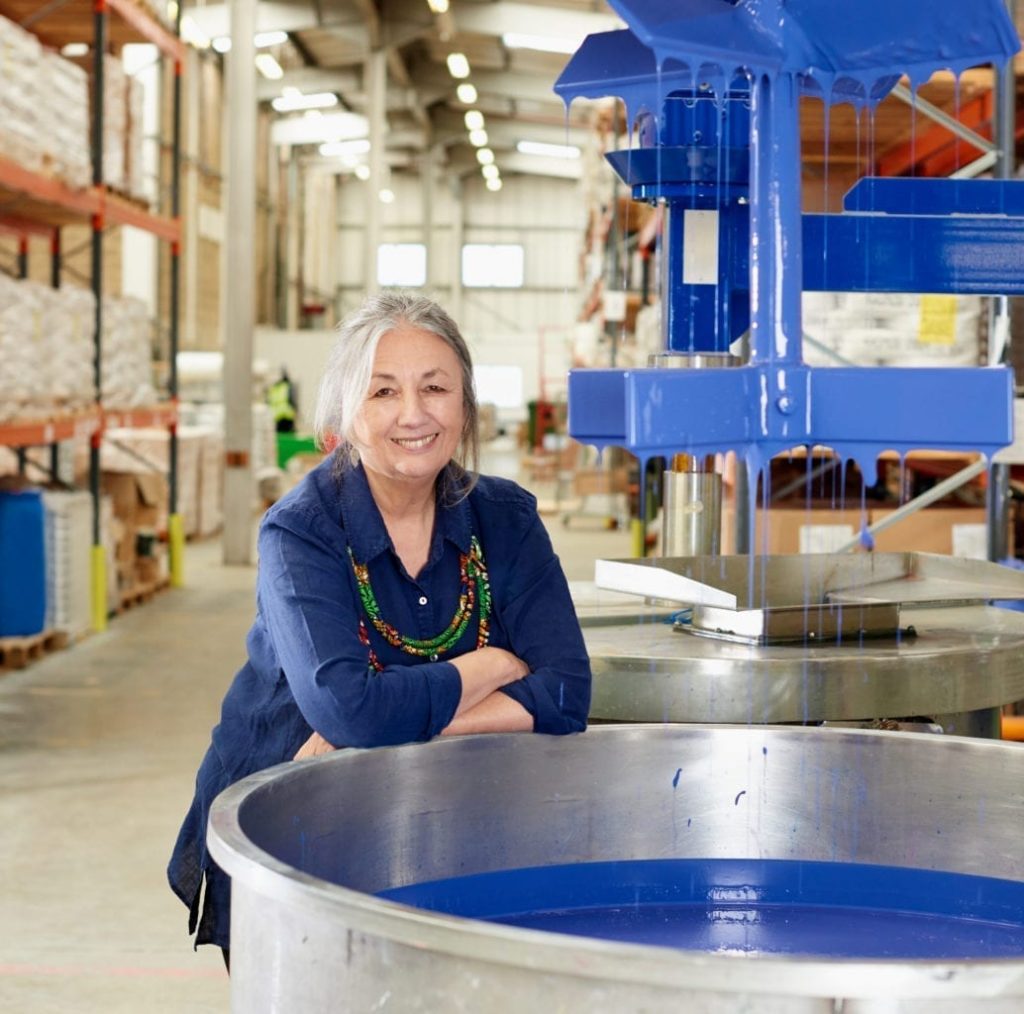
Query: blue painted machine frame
point(719, 130)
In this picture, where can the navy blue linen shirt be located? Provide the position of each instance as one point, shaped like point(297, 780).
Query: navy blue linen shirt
point(308, 670)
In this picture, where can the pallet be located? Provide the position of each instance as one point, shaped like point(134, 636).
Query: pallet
point(140, 594)
point(18, 652)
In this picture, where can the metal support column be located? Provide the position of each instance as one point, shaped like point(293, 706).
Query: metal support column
point(375, 73)
point(997, 502)
point(458, 227)
point(175, 524)
point(99, 562)
point(239, 315)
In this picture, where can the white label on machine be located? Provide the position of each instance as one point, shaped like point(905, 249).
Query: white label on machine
point(700, 248)
point(824, 538)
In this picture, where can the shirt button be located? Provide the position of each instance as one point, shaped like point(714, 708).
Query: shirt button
point(433, 658)
point(423, 600)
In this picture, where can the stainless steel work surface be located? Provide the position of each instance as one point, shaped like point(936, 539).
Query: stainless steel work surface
point(961, 659)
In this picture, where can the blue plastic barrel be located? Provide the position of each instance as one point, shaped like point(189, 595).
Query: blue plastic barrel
point(22, 564)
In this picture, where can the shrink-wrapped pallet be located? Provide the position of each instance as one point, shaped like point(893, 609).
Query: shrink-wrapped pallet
point(68, 549)
point(891, 329)
point(63, 119)
point(23, 389)
point(135, 140)
point(71, 334)
point(20, 55)
point(127, 373)
point(147, 451)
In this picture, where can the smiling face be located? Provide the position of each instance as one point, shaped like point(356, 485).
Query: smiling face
point(411, 420)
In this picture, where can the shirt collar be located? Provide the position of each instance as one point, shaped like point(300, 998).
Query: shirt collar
point(364, 526)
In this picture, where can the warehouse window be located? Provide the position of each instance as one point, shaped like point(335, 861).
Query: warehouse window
point(402, 264)
point(492, 265)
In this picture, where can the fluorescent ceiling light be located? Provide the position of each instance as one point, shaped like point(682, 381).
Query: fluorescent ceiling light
point(269, 67)
point(494, 184)
point(466, 93)
point(333, 148)
point(547, 150)
point(478, 138)
point(438, 6)
point(295, 103)
point(484, 156)
point(73, 49)
point(387, 196)
point(172, 10)
point(263, 39)
point(458, 65)
point(543, 43)
point(474, 119)
point(363, 172)
point(490, 172)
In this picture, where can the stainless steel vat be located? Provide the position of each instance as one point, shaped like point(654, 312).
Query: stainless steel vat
point(308, 845)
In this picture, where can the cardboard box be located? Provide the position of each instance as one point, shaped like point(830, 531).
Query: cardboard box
point(817, 529)
point(951, 531)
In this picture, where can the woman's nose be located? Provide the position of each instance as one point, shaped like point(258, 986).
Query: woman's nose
point(412, 409)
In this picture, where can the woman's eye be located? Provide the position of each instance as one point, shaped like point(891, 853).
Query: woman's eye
point(383, 392)
point(435, 389)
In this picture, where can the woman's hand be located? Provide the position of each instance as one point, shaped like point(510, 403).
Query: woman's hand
point(314, 747)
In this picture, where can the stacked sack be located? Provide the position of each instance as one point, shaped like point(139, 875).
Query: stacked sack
point(23, 388)
point(63, 118)
point(115, 122)
point(127, 359)
point(69, 320)
point(135, 176)
point(46, 349)
point(892, 328)
point(20, 56)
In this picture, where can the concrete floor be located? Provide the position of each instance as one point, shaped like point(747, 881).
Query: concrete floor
point(98, 750)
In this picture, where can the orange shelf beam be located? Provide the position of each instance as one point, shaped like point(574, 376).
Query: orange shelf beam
point(49, 430)
point(72, 21)
point(146, 417)
point(132, 14)
point(31, 195)
point(903, 158)
point(118, 210)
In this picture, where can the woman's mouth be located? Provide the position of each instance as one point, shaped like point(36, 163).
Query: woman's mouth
point(414, 443)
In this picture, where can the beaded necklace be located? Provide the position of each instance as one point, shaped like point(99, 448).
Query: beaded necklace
point(475, 584)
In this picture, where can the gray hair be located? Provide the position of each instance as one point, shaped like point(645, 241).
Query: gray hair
point(350, 366)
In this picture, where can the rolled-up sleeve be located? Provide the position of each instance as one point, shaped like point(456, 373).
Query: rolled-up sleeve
point(543, 630)
point(308, 604)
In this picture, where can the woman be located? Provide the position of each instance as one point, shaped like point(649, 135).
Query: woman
point(400, 596)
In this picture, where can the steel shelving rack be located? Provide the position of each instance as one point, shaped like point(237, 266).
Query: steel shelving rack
point(33, 203)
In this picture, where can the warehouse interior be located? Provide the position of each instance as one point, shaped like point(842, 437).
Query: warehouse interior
point(194, 196)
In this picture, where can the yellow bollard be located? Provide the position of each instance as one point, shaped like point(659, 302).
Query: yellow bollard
point(99, 589)
point(636, 531)
point(176, 550)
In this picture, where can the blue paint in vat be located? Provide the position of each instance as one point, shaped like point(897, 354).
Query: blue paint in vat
point(752, 907)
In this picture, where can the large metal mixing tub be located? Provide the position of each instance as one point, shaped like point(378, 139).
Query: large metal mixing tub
point(308, 845)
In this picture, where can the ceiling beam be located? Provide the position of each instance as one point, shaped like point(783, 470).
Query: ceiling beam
point(507, 16)
point(309, 80)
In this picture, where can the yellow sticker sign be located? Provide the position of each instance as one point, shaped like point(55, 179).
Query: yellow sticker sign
point(938, 320)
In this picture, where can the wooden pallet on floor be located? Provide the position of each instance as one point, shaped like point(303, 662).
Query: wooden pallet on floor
point(141, 593)
point(18, 652)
